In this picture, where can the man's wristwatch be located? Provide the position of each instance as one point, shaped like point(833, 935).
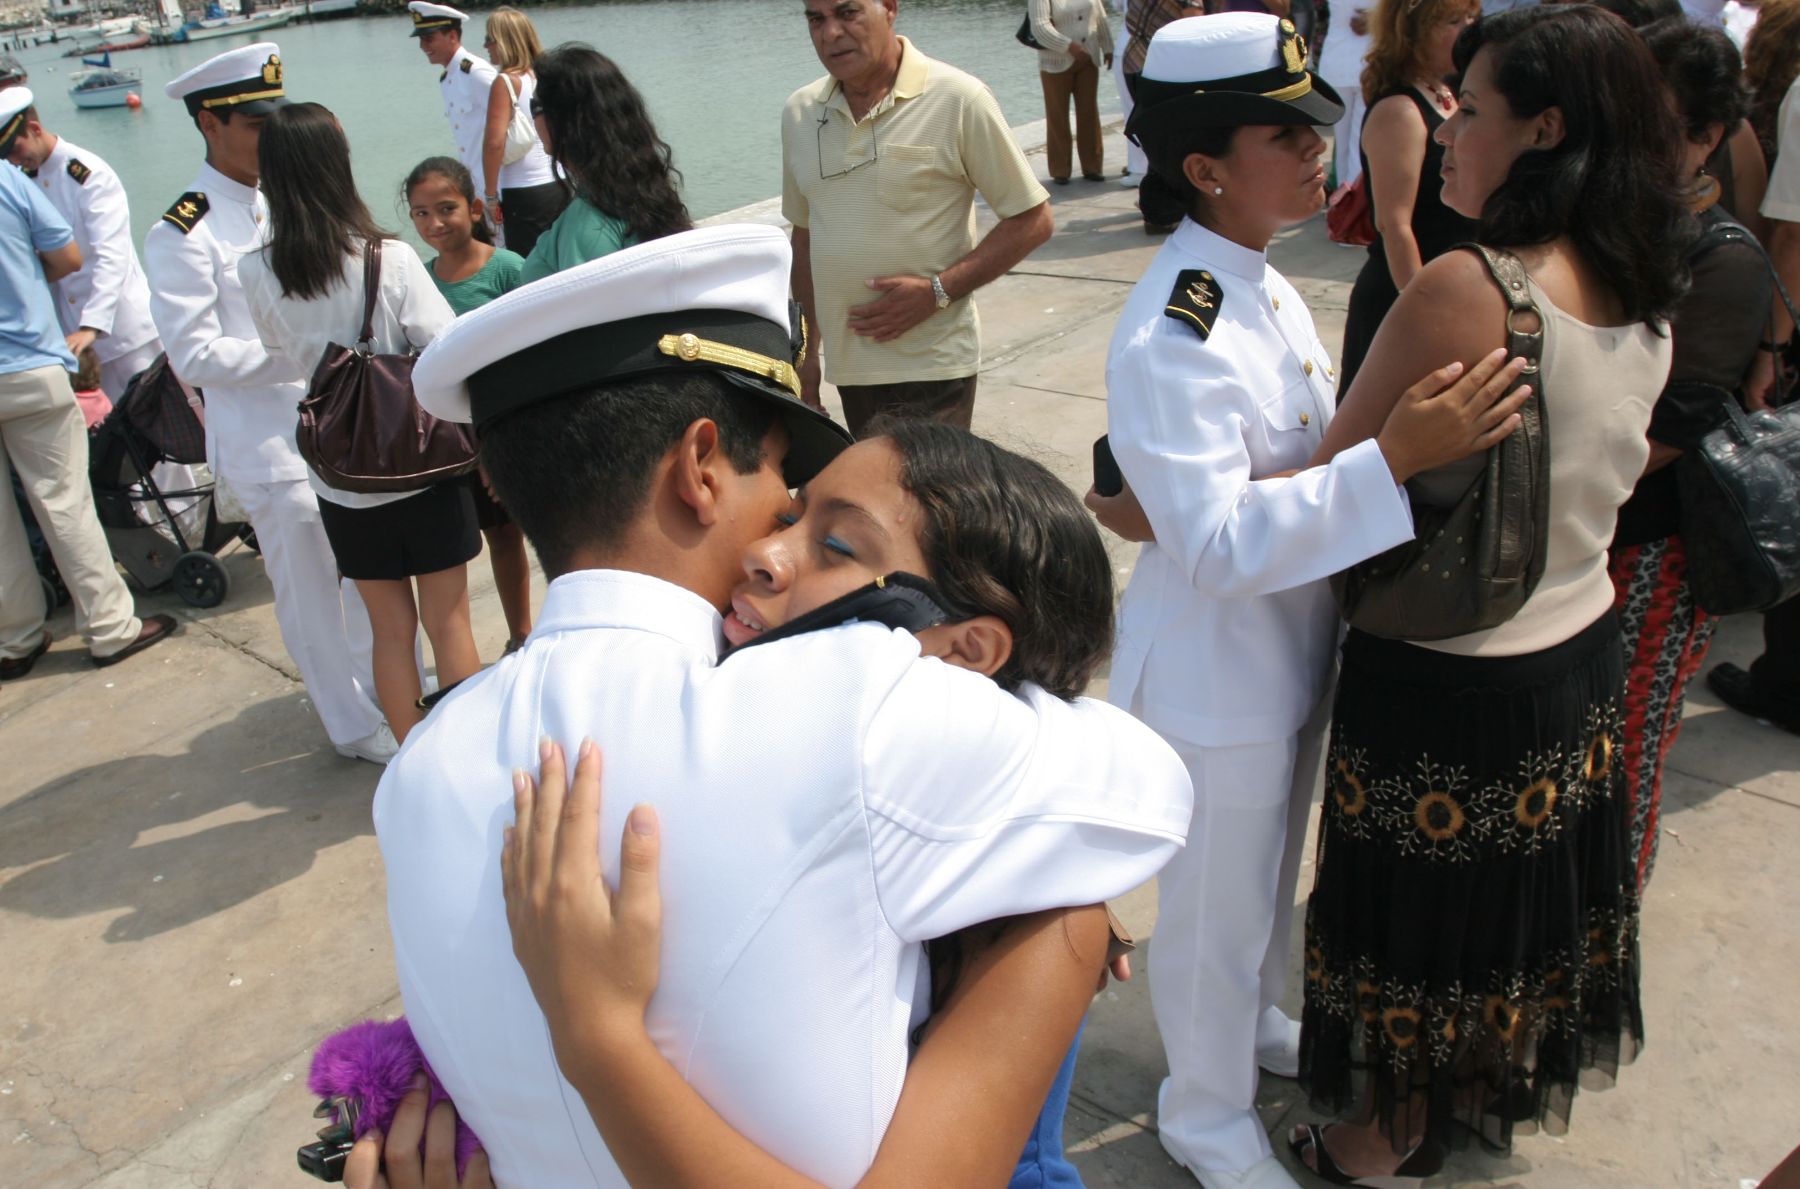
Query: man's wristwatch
point(938, 291)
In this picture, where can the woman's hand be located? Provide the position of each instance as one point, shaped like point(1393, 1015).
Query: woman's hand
point(1450, 415)
point(591, 955)
point(406, 1169)
point(1120, 514)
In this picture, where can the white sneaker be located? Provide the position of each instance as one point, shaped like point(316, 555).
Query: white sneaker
point(1278, 1043)
point(1130, 181)
point(377, 747)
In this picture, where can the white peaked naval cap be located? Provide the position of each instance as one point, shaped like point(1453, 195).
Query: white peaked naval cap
point(714, 299)
point(247, 79)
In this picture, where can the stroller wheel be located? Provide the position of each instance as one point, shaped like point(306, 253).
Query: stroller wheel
point(201, 580)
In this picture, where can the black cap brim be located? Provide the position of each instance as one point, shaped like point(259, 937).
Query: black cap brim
point(260, 107)
point(1320, 105)
point(814, 439)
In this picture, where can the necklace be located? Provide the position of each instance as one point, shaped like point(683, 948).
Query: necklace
point(1441, 95)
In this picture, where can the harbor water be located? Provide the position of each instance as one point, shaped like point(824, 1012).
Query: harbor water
point(715, 75)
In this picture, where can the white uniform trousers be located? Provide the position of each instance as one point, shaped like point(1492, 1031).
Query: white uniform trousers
point(45, 440)
point(1219, 954)
point(1135, 161)
point(323, 622)
point(115, 375)
point(1346, 134)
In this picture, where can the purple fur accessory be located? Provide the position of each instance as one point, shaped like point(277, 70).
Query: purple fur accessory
point(372, 1064)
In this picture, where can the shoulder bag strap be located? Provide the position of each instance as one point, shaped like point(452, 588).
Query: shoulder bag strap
point(371, 286)
point(1509, 274)
point(1517, 478)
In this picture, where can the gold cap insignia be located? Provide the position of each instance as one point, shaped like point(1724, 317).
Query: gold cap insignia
point(271, 71)
point(1293, 49)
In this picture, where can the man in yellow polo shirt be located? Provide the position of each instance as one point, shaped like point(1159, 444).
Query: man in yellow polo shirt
point(881, 162)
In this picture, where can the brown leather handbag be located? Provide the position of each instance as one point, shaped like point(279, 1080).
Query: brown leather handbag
point(1472, 565)
point(361, 428)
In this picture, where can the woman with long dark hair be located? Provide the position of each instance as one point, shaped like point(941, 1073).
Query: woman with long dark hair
point(305, 289)
point(595, 126)
point(1471, 941)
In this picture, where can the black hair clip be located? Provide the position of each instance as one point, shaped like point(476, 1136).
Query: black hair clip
point(897, 600)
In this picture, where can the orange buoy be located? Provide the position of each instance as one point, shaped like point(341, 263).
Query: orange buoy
point(132, 101)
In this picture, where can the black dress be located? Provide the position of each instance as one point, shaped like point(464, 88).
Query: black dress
point(1436, 228)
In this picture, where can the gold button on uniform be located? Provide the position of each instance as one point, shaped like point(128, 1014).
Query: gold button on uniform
point(1276, 301)
point(1307, 367)
point(1305, 420)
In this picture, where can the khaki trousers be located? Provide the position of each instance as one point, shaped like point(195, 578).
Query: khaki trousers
point(1082, 83)
point(45, 441)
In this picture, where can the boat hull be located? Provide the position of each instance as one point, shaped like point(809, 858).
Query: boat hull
point(232, 28)
point(106, 96)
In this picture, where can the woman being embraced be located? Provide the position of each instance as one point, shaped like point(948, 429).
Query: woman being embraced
point(528, 196)
point(305, 289)
point(595, 126)
point(1010, 558)
point(1403, 85)
point(1472, 931)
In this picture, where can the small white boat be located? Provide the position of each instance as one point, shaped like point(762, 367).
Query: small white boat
point(205, 30)
point(105, 86)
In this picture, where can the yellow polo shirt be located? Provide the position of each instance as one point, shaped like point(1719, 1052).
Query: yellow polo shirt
point(895, 193)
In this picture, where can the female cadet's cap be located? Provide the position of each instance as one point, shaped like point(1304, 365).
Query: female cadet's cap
point(427, 18)
point(1229, 70)
point(247, 80)
point(13, 103)
point(714, 298)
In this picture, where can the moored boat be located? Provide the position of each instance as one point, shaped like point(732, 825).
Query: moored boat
point(104, 85)
point(224, 26)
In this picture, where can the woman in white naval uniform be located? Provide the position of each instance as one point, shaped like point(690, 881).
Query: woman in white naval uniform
point(1218, 393)
point(191, 257)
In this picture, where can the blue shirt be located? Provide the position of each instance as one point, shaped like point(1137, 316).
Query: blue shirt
point(29, 334)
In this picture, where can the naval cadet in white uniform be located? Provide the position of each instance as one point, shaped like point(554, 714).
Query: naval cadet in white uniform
point(191, 256)
point(467, 81)
point(1218, 393)
point(827, 802)
point(105, 303)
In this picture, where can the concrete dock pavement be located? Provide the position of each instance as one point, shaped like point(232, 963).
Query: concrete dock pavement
point(191, 895)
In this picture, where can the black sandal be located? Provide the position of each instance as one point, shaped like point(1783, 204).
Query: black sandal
point(1418, 1164)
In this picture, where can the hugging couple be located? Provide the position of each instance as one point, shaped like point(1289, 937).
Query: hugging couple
point(874, 823)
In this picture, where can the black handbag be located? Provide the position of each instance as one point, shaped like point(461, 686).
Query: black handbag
point(1472, 565)
point(1740, 497)
point(1025, 36)
point(362, 429)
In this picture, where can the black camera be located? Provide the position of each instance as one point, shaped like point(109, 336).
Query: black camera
point(325, 1159)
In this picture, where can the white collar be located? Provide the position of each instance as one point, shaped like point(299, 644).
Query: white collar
point(623, 599)
point(57, 158)
point(216, 185)
point(1221, 254)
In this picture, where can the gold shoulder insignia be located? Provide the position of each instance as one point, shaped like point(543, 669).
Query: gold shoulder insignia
point(79, 172)
point(1196, 300)
point(468, 64)
point(188, 210)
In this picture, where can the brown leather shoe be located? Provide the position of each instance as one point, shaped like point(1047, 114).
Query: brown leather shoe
point(13, 667)
point(156, 627)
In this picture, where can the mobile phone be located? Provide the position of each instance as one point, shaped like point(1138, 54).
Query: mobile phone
point(1107, 478)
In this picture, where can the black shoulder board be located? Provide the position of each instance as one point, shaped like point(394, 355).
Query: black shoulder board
point(443, 75)
point(188, 210)
point(79, 172)
point(1196, 300)
point(468, 64)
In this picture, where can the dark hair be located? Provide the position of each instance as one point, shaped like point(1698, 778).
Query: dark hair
point(574, 470)
point(222, 114)
point(1612, 183)
point(87, 373)
point(457, 174)
point(1771, 62)
point(1640, 14)
point(1702, 68)
point(1167, 143)
point(316, 217)
point(601, 135)
point(1003, 536)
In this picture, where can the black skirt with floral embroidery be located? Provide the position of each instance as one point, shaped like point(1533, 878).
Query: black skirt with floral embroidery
point(1471, 940)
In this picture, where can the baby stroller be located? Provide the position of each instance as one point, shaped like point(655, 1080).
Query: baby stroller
point(161, 534)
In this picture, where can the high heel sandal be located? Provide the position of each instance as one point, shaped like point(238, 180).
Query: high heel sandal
point(1418, 1165)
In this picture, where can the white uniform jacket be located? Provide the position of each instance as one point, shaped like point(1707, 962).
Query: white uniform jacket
point(252, 397)
point(108, 292)
point(1228, 629)
point(467, 83)
point(827, 803)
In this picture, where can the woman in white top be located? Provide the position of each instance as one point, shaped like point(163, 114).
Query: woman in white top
point(1341, 64)
point(1075, 39)
point(305, 289)
point(527, 196)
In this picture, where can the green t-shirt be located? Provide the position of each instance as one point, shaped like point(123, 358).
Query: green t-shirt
point(583, 232)
point(499, 275)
